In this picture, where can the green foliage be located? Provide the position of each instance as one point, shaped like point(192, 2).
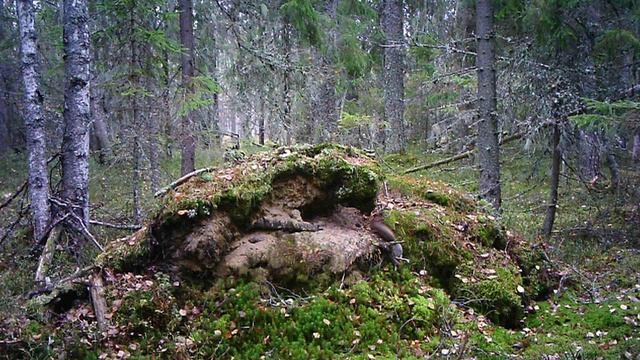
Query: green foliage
point(358, 8)
point(467, 81)
point(352, 57)
point(302, 15)
point(604, 115)
point(350, 121)
point(546, 19)
point(614, 43)
point(439, 98)
point(424, 55)
point(159, 40)
point(204, 87)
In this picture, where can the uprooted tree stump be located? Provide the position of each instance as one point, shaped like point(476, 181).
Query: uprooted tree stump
point(299, 218)
point(295, 212)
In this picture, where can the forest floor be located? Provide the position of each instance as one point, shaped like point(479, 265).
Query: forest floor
point(594, 313)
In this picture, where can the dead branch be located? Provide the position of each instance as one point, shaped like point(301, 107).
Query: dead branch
point(50, 287)
point(460, 156)
point(14, 195)
point(80, 226)
point(288, 225)
point(115, 226)
point(47, 255)
point(181, 181)
point(86, 232)
point(96, 289)
point(50, 227)
point(23, 186)
point(12, 226)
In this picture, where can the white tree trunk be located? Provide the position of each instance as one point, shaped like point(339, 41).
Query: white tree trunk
point(34, 120)
point(77, 109)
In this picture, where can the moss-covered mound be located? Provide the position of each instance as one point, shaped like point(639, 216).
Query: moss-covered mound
point(276, 258)
point(291, 190)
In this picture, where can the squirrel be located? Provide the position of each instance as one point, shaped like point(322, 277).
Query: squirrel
point(392, 245)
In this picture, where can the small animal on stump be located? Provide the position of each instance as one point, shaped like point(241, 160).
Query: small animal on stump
point(391, 245)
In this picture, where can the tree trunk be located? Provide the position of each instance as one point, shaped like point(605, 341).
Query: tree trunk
point(589, 155)
point(99, 139)
point(556, 160)
point(614, 168)
point(154, 152)
point(4, 91)
point(186, 38)
point(34, 120)
point(137, 175)
point(77, 111)
point(4, 110)
point(100, 128)
point(392, 25)
point(635, 151)
point(487, 144)
point(261, 123)
point(286, 86)
point(135, 122)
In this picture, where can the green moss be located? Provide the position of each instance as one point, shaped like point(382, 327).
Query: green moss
point(429, 247)
point(379, 316)
point(239, 191)
point(489, 233)
point(433, 191)
point(538, 277)
point(150, 312)
point(436, 197)
point(491, 291)
point(128, 253)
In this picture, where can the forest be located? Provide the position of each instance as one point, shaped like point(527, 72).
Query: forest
point(320, 179)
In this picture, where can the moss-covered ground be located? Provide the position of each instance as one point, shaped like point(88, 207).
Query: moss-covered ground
point(461, 296)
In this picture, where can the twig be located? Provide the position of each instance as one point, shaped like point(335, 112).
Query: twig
point(23, 186)
point(11, 227)
point(115, 226)
point(181, 181)
point(460, 156)
point(86, 232)
point(49, 288)
point(14, 195)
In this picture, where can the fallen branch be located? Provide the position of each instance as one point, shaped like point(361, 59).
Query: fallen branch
point(50, 227)
point(96, 289)
point(14, 195)
point(86, 232)
point(115, 226)
point(80, 225)
point(50, 287)
point(23, 186)
point(181, 181)
point(460, 156)
point(47, 255)
point(9, 229)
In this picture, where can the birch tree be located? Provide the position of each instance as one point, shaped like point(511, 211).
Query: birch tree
point(77, 111)
point(34, 120)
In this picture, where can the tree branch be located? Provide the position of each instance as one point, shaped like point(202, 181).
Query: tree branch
point(181, 181)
